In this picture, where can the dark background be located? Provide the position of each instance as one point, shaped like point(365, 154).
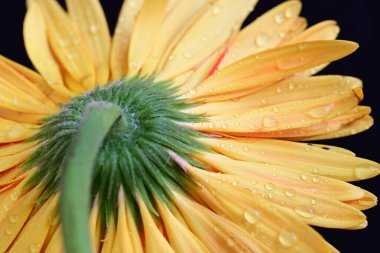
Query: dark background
point(357, 19)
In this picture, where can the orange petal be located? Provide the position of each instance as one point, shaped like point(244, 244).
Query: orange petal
point(302, 157)
point(122, 36)
point(89, 17)
point(272, 65)
point(209, 32)
point(145, 30)
point(264, 33)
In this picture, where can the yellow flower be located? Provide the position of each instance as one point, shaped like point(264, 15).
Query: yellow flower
point(206, 163)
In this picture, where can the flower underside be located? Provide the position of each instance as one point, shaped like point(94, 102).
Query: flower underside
point(134, 156)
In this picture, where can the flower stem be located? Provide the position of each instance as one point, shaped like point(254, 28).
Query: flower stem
point(98, 119)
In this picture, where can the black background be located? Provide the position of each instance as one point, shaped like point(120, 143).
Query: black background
point(358, 20)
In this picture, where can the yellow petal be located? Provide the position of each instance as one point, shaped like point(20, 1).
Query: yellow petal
point(209, 32)
point(122, 36)
point(38, 49)
point(259, 70)
point(95, 225)
point(55, 245)
point(217, 233)
point(180, 237)
point(32, 236)
point(7, 162)
point(67, 44)
point(297, 28)
point(326, 30)
point(23, 86)
point(314, 205)
point(15, 148)
point(155, 241)
point(122, 241)
point(302, 157)
point(175, 24)
point(284, 177)
point(369, 200)
point(109, 237)
point(292, 89)
point(355, 127)
point(12, 223)
point(134, 232)
point(57, 93)
point(89, 17)
point(145, 30)
point(264, 33)
point(289, 115)
point(12, 177)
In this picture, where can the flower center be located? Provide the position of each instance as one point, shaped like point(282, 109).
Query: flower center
point(134, 155)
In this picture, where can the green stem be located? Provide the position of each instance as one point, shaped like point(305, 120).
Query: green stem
point(75, 199)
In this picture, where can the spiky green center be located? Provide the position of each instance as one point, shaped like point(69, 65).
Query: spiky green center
point(134, 155)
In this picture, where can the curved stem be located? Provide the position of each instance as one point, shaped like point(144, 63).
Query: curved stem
point(75, 199)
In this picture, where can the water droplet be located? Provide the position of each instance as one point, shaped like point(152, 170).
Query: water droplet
point(247, 149)
point(366, 172)
point(72, 56)
point(354, 131)
point(133, 65)
point(287, 238)
point(279, 18)
point(291, 11)
point(269, 122)
point(313, 201)
point(263, 101)
point(253, 182)
point(14, 195)
point(290, 193)
point(270, 195)
point(224, 126)
point(278, 89)
point(187, 55)
point(304, 177)
point(231, 242)
point(94, 28)
point(269, 186)
point(63, 42)
point(216, 10)
point(216, 229)
point(262, 39)
point(34, 247)
point(315, 179)
point(235, 183)
point(305, 211)
point(6, 206)
point(292, 86)
point(9, 231)
point(276, 109)
point(320, 112)
point(307, 149)
point(252, 215)
point(211, 125)
point(290, 62)
point(13, 218)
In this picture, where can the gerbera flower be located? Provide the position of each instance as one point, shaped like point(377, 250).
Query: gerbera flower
point(189, 126)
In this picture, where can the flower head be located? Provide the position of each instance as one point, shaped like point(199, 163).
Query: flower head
point(201, 153)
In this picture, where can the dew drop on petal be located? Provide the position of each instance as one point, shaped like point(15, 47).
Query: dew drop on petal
point(287, 238)
point(290, 62)
point(291, 11)
point(9, 231)
point(187, 55)
point(279, 18)
point(14, 195)
point(34, 247)
point(290, 193)
point(231, 242)
point(269, 186)
point(366, 172)
point(94, 29)
point(216, 10)
point(313, 201)
point(252, 215)
point(269, 122)
point(235, 183)
point(262, 39)
point(306, 212)
point(320, 112)
point(246, 149)
point(304, 177)
point(13, 218)
point(6, 206)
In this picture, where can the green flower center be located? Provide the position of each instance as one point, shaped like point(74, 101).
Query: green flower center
point(134, 155)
